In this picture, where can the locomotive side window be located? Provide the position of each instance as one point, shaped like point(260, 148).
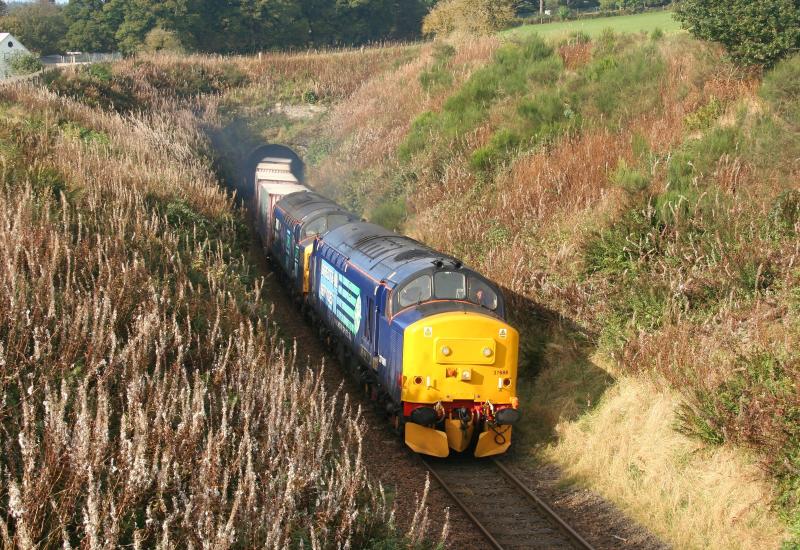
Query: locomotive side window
point(336, 220)
point(276, 230)
point(315, 227)
point(450, 285)
point(418, 290)
point(482, 294)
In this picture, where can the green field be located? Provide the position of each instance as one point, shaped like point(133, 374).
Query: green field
point(621, 23)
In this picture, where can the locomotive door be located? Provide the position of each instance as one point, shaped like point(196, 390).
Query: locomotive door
point(374, 309)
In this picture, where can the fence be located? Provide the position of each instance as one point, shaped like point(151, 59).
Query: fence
point(80, 58)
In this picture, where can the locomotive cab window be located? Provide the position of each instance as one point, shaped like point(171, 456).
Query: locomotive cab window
point(482, 294)
point(418, 290)
point(450, 285)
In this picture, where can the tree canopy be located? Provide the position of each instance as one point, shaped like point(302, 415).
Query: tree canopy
point(757, 33)
point(238, 26)
point(40, 27)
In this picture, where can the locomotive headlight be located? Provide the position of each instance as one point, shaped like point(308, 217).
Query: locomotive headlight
point(487, 352)
point(446, 351)
point(466, 375)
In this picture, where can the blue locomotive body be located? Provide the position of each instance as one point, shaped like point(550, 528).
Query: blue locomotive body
point(423, 333)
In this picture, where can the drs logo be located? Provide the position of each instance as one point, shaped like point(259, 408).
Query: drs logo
point(341, 297)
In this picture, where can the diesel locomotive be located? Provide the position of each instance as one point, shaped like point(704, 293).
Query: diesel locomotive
point(424, 334)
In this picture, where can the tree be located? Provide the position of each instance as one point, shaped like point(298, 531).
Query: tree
point(41, 28)
point(471, 16)
point(754, 33)
point(608, 5)
point(631, 5)
point(22, 64)
point(92, 24)
point(239, 26)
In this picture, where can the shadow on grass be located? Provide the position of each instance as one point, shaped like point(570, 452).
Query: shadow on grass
point(558, 380)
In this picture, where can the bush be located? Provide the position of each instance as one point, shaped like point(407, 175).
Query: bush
point(606, 42)
point(564, 13)
point(631, 6)
point(656, 34)
point(500, 148)
point(629, 179)
point(621, 85)
point(22, 64)
point(704, 117)
point(390, 214)
point(781, 88)
point(609, 5)
point(757, 407)
point(101, 71)
point(624, 247)
point(95, 87)
point(513, 69)
point(438, 75)
point(470, 16)
point(784, 217)
point(753, 33)
point(158, 40)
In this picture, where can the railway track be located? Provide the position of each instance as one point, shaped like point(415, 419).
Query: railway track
point(503, 508)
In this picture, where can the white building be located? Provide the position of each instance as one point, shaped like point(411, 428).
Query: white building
point(9, 46)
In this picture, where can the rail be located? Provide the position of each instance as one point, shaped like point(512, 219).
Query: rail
point(524, 529)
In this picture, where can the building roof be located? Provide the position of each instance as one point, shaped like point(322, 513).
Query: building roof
point(6, 35)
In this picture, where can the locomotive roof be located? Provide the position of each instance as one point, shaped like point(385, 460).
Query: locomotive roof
point(304, 204)
point(385, 254)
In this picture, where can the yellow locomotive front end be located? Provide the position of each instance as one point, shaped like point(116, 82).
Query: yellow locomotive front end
point(459, 380)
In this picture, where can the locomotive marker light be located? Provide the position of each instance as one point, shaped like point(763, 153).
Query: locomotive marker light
point(466, 375)
point(446, 351)
point(487, 352)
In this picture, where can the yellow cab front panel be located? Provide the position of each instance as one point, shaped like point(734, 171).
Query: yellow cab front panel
point(460, 371)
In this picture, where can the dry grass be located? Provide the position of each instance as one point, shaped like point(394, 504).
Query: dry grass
point(144, 400)
point(691, 307)
point(692, 496)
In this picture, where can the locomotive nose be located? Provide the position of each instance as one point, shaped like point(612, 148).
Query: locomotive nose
point(468, 362)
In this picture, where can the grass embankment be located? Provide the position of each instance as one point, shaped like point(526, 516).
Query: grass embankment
point(635, 23)
point(145, 401)
point(636, 196)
